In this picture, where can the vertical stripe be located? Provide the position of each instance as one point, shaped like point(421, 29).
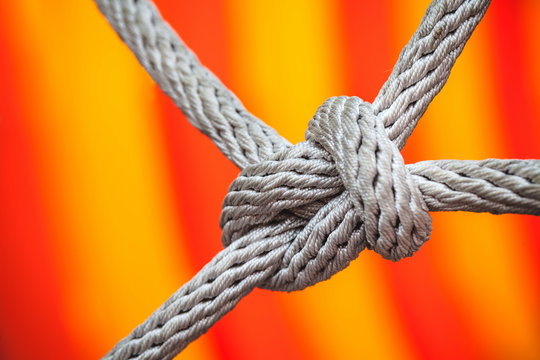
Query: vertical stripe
point(514, 44)
point(280, 57)
point(474, 256)
point(530, 33)
point(515, 88)
point(286, 60)
point(365, 33)
point(200, 174)
point(425, 302)
point(366, 30)
point(289, 57)
point(102, 167)
point(31, 320)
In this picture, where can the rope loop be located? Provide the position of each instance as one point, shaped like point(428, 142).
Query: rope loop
point(373, 172)
point(346, 187)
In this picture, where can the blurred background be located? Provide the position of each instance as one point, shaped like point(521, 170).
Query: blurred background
point(110, 200)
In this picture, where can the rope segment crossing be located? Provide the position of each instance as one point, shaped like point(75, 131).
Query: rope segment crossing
point(296, 215)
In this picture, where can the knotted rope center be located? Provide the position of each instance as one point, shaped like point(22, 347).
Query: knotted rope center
point(344, 188)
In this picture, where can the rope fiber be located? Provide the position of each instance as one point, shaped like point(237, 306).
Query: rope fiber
point(296, 215)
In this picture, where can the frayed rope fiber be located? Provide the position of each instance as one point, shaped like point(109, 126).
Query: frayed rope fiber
point(296, 215)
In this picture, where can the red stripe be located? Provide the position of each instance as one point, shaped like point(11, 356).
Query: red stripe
point(519, 111)
point(516, 103)
point(366, 40)
point(31, 325)
point(428, 320)
point(200, 173)
point(201, 177)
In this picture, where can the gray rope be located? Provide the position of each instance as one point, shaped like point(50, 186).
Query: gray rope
point(205, 101)
point(296, 215)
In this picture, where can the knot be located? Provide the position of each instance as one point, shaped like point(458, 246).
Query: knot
point(327, 198)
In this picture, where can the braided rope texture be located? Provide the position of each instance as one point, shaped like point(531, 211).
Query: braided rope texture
point(296, 215)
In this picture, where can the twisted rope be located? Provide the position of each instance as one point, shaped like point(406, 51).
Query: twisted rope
point(296, 215)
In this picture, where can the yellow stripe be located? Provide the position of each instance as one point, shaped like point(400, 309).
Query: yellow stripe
point(286, 62)
point(103, 165)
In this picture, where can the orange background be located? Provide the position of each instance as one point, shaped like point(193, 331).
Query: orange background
point(110, 200)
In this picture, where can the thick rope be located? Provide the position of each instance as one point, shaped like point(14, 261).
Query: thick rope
point(205, 101)
point(296, 215)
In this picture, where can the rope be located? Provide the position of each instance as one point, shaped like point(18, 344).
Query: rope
point(296, 215)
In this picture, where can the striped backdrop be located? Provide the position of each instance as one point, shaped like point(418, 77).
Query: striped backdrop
point(110, 200)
